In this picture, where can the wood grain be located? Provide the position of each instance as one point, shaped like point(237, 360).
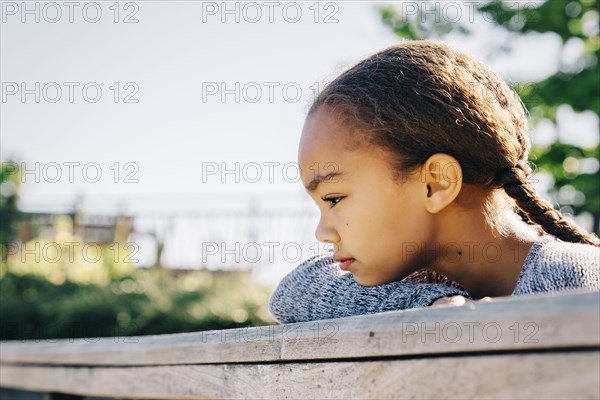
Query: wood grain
point(565, 320)
point(543, 346)
point(560, 375)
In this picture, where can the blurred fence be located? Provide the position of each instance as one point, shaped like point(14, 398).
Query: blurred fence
point(267, 240)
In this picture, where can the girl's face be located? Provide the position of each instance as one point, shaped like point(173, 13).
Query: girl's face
point(376, 221)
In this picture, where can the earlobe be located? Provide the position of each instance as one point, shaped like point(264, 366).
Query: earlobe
point(442, 176)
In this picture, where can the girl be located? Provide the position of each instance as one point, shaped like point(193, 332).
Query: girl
point(417, 158)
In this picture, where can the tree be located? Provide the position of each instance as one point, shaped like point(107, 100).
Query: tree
point(9, 184)
point(575, 169)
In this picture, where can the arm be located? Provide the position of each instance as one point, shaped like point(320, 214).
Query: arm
point(318, 289)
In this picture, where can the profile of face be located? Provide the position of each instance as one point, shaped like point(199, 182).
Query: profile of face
point(377, 221)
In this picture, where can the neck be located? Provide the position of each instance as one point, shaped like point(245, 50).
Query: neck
point(483, 262)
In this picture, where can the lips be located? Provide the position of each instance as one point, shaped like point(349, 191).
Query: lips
point(344, 263)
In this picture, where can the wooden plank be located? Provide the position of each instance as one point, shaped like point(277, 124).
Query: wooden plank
point(548, 375)
point(562, 320)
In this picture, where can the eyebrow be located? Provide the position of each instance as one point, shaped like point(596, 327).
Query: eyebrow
point(314, 184)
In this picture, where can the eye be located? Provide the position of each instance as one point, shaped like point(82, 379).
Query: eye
point(334, 200)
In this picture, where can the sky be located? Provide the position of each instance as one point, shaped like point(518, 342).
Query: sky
point(175, 107)
point(152, 111)
point(174, 62)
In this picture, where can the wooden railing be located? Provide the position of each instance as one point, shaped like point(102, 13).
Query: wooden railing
point(544, 346)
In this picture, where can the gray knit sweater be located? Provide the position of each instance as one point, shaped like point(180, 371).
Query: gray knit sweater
point(319, 289)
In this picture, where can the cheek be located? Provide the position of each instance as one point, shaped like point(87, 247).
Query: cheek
point(394, 222)
point(369, 224)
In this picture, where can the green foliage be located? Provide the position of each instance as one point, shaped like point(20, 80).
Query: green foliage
point(146, 302)
point(9, 184)
point(576, 84)
point(553, 159)
point(69, 296)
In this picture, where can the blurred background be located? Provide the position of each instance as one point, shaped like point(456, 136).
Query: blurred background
point(148, 179)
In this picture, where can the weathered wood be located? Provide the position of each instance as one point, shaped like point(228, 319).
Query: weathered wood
point(556, 375)
point(544, 346)
point(552, 321)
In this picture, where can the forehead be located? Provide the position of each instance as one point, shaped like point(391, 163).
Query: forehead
point(328, 144)
point(322, 131)
point(324, 139)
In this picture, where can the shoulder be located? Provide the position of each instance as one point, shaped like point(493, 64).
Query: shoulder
point(556, 253)
point(553, 265)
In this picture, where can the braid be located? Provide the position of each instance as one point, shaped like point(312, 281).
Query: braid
point(418, 98)
point(516, 185)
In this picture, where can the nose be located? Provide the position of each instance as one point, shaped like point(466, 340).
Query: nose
point(326, 232)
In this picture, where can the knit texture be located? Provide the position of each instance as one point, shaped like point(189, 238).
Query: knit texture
point(553, 265)
point(319, 289)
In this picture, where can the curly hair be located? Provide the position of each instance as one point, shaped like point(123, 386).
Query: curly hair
point(418, 98)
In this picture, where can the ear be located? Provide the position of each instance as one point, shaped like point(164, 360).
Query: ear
point(441, 176)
